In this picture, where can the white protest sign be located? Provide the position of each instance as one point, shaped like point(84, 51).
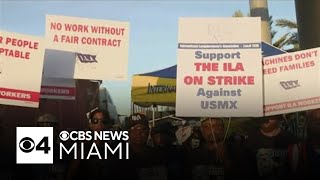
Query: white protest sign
point(100, 47)
point(219, 71)
point(292, 82)
point(21, 63)
point(58, 88)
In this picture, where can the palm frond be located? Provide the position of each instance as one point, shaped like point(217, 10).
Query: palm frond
point(273, 33)
point(286, 24)
point(271, 21)
point(238, 13)
point(281, 41)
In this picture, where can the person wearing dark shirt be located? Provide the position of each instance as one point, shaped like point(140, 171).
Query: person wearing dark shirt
point(308, 153)
point(55, 171)
point(163, 136)
point(269, 150)
point(145, 163)
point(215, 159)
point(94, 167)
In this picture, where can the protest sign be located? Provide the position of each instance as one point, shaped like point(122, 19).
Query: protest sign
point(291, 82)
point(100, 47)
point(219, 68)
point(21, 63)
point(58, 88)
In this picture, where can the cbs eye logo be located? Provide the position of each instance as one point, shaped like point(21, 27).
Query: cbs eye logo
point(64, 135)
point(34, 145)
point(27, 145)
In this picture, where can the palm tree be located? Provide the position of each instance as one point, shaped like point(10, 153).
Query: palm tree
point(290, 38)
point(259, 8)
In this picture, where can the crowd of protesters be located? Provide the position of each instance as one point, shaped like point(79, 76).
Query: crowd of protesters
point(209, 153)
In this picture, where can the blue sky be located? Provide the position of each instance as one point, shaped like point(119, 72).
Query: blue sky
point(153, 27)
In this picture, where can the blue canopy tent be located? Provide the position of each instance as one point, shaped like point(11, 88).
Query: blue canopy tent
point(170, 72)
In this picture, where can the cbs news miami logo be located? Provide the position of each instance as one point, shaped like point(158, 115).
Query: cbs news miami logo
point(34, 145)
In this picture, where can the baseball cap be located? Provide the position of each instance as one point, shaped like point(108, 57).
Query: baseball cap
point(163, 128)
point(138, 118)
point(47, 118)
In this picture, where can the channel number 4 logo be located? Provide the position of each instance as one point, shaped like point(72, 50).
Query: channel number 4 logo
point(34, 145)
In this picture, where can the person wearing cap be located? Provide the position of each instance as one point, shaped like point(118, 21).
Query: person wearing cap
point(138, 125)
point(163, 137)
point(49, 120)
point(93, 168)
point(144, 162)
point(58, 169)
point(214, 158)
point(269, 149)
point(46, 120)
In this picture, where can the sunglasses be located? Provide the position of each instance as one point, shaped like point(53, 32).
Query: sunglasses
point(96, 121)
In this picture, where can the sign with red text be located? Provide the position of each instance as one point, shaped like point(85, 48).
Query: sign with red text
point(100, 47)
point(292, 82)
point(21, 63)
point(219, 68)
point(58, 88)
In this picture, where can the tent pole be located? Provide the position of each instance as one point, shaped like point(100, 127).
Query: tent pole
point(153, 115)
point(132, 108)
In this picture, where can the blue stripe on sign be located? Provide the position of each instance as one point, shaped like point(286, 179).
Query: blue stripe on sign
point(219, 46)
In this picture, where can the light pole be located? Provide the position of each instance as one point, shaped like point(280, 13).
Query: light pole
point(259, 8)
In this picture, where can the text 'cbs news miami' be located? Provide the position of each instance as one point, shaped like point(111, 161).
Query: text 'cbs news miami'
point(37, 145)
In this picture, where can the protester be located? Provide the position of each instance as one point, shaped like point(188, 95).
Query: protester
point(55, 171)
point(145, 163)
point(309, 152)
point(163, 136)
point(94, 167)
point(314, 143)
point(269, 150)
point(214, 159)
